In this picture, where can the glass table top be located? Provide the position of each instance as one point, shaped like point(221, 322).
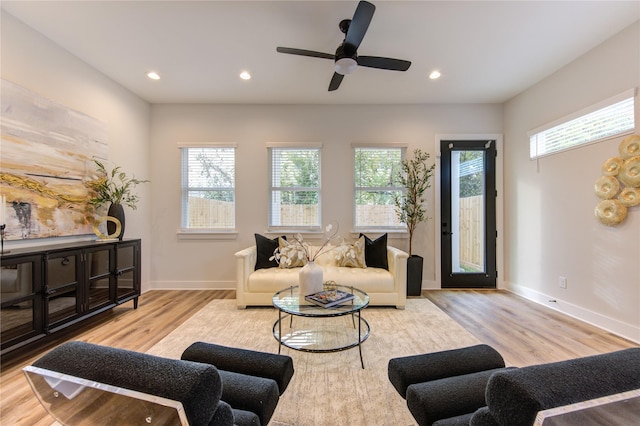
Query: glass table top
point(290, 301)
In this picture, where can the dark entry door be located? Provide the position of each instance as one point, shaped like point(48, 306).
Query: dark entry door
point(468, 213)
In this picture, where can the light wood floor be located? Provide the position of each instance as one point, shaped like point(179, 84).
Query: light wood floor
point(523, 332)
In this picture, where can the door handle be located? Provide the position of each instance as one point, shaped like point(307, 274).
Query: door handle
point(447, 233)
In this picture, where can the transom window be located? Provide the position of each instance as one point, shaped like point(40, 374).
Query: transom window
point(294, 195)
point(376, 186)
point(610, 118)
point(208, 187)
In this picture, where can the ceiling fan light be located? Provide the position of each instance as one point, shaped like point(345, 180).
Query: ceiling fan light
point(346, 66)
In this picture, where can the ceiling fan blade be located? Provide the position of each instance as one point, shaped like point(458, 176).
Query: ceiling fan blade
point(335, 81)
point(384, 63)
point(302, 52)
point(359, 24)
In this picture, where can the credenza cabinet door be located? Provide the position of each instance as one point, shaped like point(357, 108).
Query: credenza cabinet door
point(63, 290)
point(21, 306)
point(128, 272)
point(98, 266)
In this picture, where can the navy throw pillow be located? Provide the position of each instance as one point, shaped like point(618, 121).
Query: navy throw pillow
point(265, 248)
point(375, 252)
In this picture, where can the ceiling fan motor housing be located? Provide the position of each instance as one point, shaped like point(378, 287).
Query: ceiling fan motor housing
point(346, 59)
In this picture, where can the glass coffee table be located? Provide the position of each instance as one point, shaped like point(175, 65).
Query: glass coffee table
point(320, 329)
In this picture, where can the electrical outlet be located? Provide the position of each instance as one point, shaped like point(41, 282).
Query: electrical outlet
point(562, 282)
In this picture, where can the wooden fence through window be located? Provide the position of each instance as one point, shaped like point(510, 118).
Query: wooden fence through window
point(206, 213)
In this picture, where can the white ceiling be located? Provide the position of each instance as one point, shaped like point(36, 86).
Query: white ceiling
point(487, 51)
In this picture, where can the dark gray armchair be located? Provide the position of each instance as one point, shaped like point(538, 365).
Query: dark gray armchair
point(78, 381)
point(471, 386)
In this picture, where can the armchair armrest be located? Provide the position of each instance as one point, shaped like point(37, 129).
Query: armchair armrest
point(406, 371)
point(254, 363)
point(397, 260)
point(245, 264)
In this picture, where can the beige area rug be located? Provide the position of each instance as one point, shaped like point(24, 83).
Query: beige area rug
point(330, 388)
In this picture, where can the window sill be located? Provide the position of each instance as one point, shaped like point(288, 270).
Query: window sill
point(206, 234)
point(392, 233)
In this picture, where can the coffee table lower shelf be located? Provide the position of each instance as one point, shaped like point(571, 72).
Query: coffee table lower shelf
point(317, 329)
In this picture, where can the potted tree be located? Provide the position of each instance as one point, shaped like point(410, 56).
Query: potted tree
point(114, 188)
point(415, 176)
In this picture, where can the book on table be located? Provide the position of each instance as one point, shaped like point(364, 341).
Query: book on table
point(329, 298)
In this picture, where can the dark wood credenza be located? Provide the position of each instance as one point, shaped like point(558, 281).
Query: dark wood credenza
point(47, 289)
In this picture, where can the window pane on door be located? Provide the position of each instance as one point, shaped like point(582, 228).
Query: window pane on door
point(467, 211)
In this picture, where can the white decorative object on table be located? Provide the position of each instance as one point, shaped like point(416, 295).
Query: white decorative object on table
point(310, 279)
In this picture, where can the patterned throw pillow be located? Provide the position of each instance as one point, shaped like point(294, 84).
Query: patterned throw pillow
point(292, 255)
point(351, 255)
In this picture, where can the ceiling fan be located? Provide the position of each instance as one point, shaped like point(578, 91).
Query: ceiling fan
point(346, 57)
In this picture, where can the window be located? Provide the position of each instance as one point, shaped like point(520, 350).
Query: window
point(295, 187)
point(609, 118)
point(208, 187)
point(376, 186)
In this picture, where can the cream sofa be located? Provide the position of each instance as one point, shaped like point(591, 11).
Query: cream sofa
point(385, 288)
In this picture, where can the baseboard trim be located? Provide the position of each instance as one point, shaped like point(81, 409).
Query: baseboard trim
point(628, 331)
point(192, 285)
point(430, 285)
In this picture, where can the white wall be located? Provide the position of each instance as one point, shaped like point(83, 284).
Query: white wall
point(550, 229)
point(550, 226)
point(34, 62)
point(211, 263)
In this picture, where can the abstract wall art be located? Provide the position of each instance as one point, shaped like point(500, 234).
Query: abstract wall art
point(46, 155)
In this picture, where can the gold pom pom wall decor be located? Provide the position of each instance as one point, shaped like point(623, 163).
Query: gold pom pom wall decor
point(629, 197)
point(611, 167)
point(610, 212)
point(619, 185)
point(607, 187)
point(630, 146)
point(630, 172)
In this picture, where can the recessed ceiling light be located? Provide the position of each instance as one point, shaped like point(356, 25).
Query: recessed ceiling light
point(153, 75)
point(434, 75)
point(245, 75)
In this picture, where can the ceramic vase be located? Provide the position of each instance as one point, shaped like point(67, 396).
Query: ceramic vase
point(117, 211)
point(310, 279)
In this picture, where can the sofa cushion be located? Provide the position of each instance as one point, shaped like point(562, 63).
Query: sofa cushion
point(272, 279)
point(265, 247)
point(375, 252)
point(371, 280)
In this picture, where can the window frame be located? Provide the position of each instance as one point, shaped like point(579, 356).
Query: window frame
point(185, 232)
point(388, 228)
point(317, 228)
point(534, 143)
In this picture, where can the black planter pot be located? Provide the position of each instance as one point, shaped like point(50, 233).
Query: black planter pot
point(117, 211)
point(414, 275)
